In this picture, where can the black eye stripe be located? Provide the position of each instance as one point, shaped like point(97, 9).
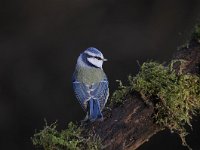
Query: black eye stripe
point(99, 58)
point(88, 55)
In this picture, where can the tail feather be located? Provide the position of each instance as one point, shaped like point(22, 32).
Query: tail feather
point(94, 110)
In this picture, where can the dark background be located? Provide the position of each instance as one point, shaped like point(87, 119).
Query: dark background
point(41, 40)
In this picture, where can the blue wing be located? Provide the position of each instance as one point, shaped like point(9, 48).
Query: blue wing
point(100, 92)
point(82, 93)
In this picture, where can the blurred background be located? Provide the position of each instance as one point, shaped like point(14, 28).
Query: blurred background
point(41, 40)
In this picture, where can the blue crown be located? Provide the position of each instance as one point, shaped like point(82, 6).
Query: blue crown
point(93, 50)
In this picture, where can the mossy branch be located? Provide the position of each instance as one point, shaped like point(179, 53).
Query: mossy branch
point(71, 138)
point(158, 97)
point(176, 97)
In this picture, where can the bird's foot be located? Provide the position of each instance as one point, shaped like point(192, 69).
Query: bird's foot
point(107, 108)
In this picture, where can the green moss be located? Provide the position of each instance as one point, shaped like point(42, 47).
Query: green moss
point(196, 33)
point(71, 138)
point(177, 95)
point(119, 95)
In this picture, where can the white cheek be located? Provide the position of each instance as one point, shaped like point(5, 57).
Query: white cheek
point(95, 62)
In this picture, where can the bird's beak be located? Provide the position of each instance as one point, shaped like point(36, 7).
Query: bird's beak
point(105, 59)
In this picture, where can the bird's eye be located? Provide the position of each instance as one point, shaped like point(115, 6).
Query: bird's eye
point(89, 56)
point(99, 58)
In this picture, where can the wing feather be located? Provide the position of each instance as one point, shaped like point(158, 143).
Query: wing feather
point(100, 92)
point(82, 94)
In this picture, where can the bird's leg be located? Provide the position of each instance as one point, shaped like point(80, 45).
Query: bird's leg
point(85, 120)
point(86, 117)
point(108, 108)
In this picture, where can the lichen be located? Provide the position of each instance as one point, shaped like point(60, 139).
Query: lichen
point(177, 95)
point(71, 138)
point(186, 45)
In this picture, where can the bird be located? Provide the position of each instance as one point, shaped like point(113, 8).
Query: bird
point(90, 83)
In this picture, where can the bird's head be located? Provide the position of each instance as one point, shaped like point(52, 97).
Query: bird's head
point(93, 57)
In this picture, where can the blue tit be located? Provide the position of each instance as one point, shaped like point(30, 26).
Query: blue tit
point(90, 83)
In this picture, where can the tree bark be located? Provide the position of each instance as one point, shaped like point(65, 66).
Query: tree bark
point(127, 126)
point(130, 125)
